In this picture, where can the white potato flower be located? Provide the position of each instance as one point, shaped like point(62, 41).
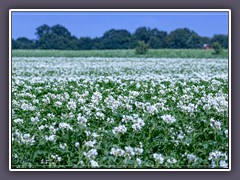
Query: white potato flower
point(168, 119)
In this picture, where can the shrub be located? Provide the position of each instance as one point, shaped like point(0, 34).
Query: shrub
point(217, 48)
point(141, 48)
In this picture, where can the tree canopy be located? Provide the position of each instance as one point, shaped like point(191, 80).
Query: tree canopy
point(59, 37)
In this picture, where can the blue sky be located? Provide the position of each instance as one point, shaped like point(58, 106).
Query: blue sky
point(94, 24)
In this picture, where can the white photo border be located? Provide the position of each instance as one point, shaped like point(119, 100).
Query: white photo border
point(117, 10)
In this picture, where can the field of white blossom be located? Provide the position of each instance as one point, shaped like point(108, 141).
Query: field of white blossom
point(119, 113)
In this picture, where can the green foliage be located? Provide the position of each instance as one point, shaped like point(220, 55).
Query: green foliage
point(24, 43)
point(142, 34)
point(217, 48)
point(141, 48)
point(116, 39)
point(221, 39)
point(153, 37)
point(205, 40)
point(157, 39)
point(55, 37)
point(183, 39)
point(85, 43)
point(90, 99)
point(58, 37)
point(154, 53)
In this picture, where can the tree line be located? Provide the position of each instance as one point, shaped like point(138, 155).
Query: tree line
point(59, 37)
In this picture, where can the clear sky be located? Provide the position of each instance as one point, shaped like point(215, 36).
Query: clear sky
point(94, 24)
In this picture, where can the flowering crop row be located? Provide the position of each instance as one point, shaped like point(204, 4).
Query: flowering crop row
point(119, 113)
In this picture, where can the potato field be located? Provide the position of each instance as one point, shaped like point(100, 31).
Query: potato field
point(119, 113)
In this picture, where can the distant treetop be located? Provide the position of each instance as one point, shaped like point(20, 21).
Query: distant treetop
point(58, 37)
